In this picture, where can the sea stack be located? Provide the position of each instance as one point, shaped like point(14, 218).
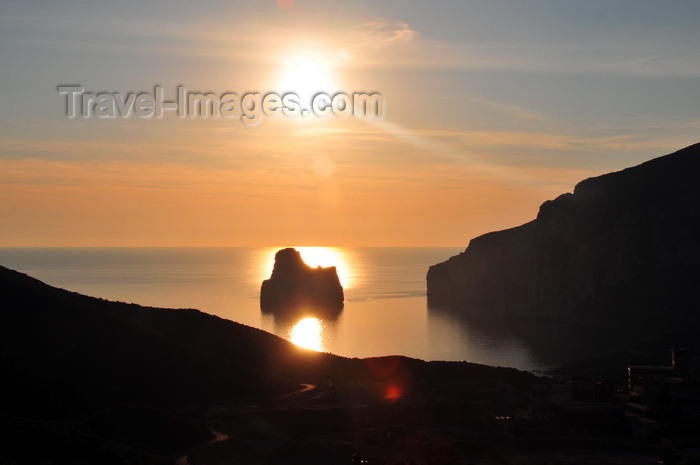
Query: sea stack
point(294, 285)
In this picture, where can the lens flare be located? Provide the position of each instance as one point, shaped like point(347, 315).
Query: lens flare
point(393, 392)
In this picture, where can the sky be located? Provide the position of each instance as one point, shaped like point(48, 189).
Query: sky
point(490, 109)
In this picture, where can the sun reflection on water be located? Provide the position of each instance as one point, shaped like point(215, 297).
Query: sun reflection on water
point(308, 334)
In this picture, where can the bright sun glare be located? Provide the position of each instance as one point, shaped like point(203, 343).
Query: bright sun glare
point(307, 334)
point(325, 257)
point(306, 75)
point(320, 256)
point(315, 256)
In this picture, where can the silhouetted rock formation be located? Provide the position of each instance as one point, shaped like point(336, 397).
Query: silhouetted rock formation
point(294, 285)
point(623, 246)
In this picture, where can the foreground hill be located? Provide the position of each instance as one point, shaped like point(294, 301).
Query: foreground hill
point(91, 381)
point(624, 246)
point(68, 351)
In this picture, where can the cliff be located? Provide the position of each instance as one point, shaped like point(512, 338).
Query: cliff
point(623, 246)
point(295, 284)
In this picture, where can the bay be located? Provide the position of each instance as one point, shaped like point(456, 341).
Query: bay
point(385, 310)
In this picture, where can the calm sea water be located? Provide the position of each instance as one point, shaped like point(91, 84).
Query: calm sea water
point(385, 311)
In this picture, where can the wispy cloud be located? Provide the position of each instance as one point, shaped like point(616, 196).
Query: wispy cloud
point(511, 110)
point(374, 42)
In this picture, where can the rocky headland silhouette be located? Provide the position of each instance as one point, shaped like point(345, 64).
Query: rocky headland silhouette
point(623, 247)
point(295, 286)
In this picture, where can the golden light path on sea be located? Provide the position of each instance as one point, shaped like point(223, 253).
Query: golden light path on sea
point(307, 334)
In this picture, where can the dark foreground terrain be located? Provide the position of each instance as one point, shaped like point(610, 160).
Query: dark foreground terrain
point(91, 381)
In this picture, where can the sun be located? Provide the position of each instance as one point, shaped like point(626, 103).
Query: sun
point(306, 75)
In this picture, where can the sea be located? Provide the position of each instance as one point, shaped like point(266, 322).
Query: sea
point(385, 311)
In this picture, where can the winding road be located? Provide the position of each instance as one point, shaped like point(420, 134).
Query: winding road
point(298, 395)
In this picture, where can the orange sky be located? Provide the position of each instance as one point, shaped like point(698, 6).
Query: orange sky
point(480, 127)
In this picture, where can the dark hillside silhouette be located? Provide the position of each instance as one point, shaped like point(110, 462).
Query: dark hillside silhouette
point(65, 350)
point(623, 247)
point(92, 381)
